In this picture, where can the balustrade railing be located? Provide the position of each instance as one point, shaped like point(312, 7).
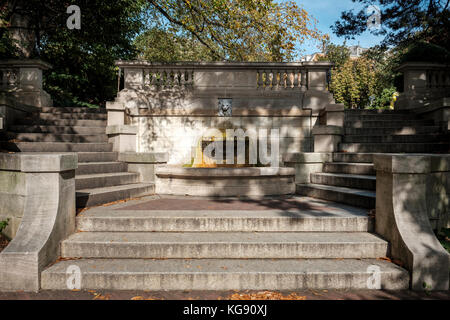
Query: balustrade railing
point(246, 75)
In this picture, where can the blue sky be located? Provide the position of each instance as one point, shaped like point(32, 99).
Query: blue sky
point(327, 12)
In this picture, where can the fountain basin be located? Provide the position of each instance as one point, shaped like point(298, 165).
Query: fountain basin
point(225, 182)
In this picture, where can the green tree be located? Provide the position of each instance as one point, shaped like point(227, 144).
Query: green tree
point(402, 22)
point(337, 54)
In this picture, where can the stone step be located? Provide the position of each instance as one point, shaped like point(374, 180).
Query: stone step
point(345, 180)
point(97, 156)
point(395, 147)
point(416, 138)
point(353, 157)
point(331, 218)
point(375, 112)
point(51, 137)
point(382, 116)
point(387, 123)
point(97, 196)
point(408, 130)
point(225, 274)
point(62, 122)
point(350, 196)
point(71, 115)
point(58, 129)
point(72, 110)
point(100, 167)
point(224, 245)
point(56, 147)
point(99, 180)
point(349, 168)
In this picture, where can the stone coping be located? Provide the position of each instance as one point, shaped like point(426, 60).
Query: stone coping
point(144, 157)
point(308, 157)
point(420, 66)
point(412, 163)
point(222, 65)
point(177, 171)
point(38, 161)
point(121, 129)
point(325, 130)
point(25, 63)
point(338, 107)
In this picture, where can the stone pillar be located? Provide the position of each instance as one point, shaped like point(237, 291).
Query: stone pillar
point(332, 115)
point(22, 79)
point(327, 138)
point(305, 164)
point(317, 97)
point(123, 137)
point(37, 193)
point(411, 190)
point(144, 163)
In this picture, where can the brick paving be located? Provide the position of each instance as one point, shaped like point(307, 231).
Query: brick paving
point(222, 295)
point(280, 203)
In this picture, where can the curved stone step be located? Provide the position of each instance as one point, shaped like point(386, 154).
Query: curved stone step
point(345, 180)
point(99, 180)
point(225, 274)
point(350, 196)
point(223, 245)
point(97, 196)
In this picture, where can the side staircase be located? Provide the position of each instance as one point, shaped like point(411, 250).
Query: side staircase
point(350, 177)
point(100, 177)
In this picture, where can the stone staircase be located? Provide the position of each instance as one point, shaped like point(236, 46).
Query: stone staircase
point(180, 244)
point(350, 178)
point(100, 177)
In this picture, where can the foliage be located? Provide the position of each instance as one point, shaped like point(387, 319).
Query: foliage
point(444, 238)
point(353, 83)
point(83, 72)
point(337, 54)
point(245, 30)
point(402, 22)
point(425, 52)
point(3, 224)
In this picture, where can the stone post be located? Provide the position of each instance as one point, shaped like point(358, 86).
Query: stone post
point(305, 164)
point(37, 193)
point(327, 138)
point(144, 163)
point(22, 79)
point(411, 190)
point(123, 137)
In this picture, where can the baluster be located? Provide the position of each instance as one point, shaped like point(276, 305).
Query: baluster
point(304, 77)
point(182, 78)
point(274, 79)
point(291, 76)
point(267, 80)
point(296, 79)
point(260, 80)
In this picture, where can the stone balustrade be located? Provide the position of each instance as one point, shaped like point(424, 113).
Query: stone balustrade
point(256, 75)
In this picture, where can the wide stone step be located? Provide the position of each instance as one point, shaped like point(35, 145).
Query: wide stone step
point(353, 157)
point(375, 112)
point(58, 129)
point(72, 110)
point(223, 245)
point(225, 274)
point(62, 122)
point(355, 197)
point(345, 180)
point(408, 130)
point(97, 156)
point(349, 168)
point(70, 115)
point(387, 123)
point(331, 217)
point(100, 167)
point(416, 138)
point(97, 196)
point(381, 116)
point(395, 147)
point(51, 137)
point(99, 180)
point(57, 147)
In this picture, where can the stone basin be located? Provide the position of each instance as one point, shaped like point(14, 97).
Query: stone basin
point(225, 182)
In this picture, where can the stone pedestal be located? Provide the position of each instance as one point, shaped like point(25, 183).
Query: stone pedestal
point(144, 163)
point(327, 138)
point(37, 193)
point(305, 164)
point(123, 137)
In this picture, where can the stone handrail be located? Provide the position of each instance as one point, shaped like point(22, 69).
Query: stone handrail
point(37, 193)
point(257, 75)
point(412, 191)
